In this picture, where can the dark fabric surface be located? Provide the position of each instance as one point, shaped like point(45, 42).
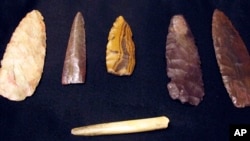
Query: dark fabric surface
point(54, 109)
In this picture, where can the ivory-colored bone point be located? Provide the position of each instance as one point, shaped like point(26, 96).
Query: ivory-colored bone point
point(122, 127)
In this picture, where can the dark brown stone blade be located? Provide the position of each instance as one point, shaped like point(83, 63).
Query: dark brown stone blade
point(233, 59)
point(74, 69)
point(183, 63)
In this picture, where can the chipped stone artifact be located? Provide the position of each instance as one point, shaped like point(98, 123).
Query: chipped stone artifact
point(233, 59)
point(183, 63)
point(23, 60)
point(74, 69)
point(120, 52)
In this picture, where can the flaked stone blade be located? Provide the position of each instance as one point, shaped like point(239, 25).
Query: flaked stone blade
point(233, 59)
point(120, 52)
point(183, 63)
point(74, 69)
point(23, 61)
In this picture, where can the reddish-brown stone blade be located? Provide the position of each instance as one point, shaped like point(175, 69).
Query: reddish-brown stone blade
point(183, 63)
point(74, 69)
point(233, 59)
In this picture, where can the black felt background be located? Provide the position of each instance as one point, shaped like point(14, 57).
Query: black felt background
point(54, 109)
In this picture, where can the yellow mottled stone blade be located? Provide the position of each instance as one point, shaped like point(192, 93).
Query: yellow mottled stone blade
point(23, 61)
point(120, 53)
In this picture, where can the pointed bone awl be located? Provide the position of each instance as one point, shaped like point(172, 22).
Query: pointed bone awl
point(74, 69)
point(123, 127)
point(233, 59)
